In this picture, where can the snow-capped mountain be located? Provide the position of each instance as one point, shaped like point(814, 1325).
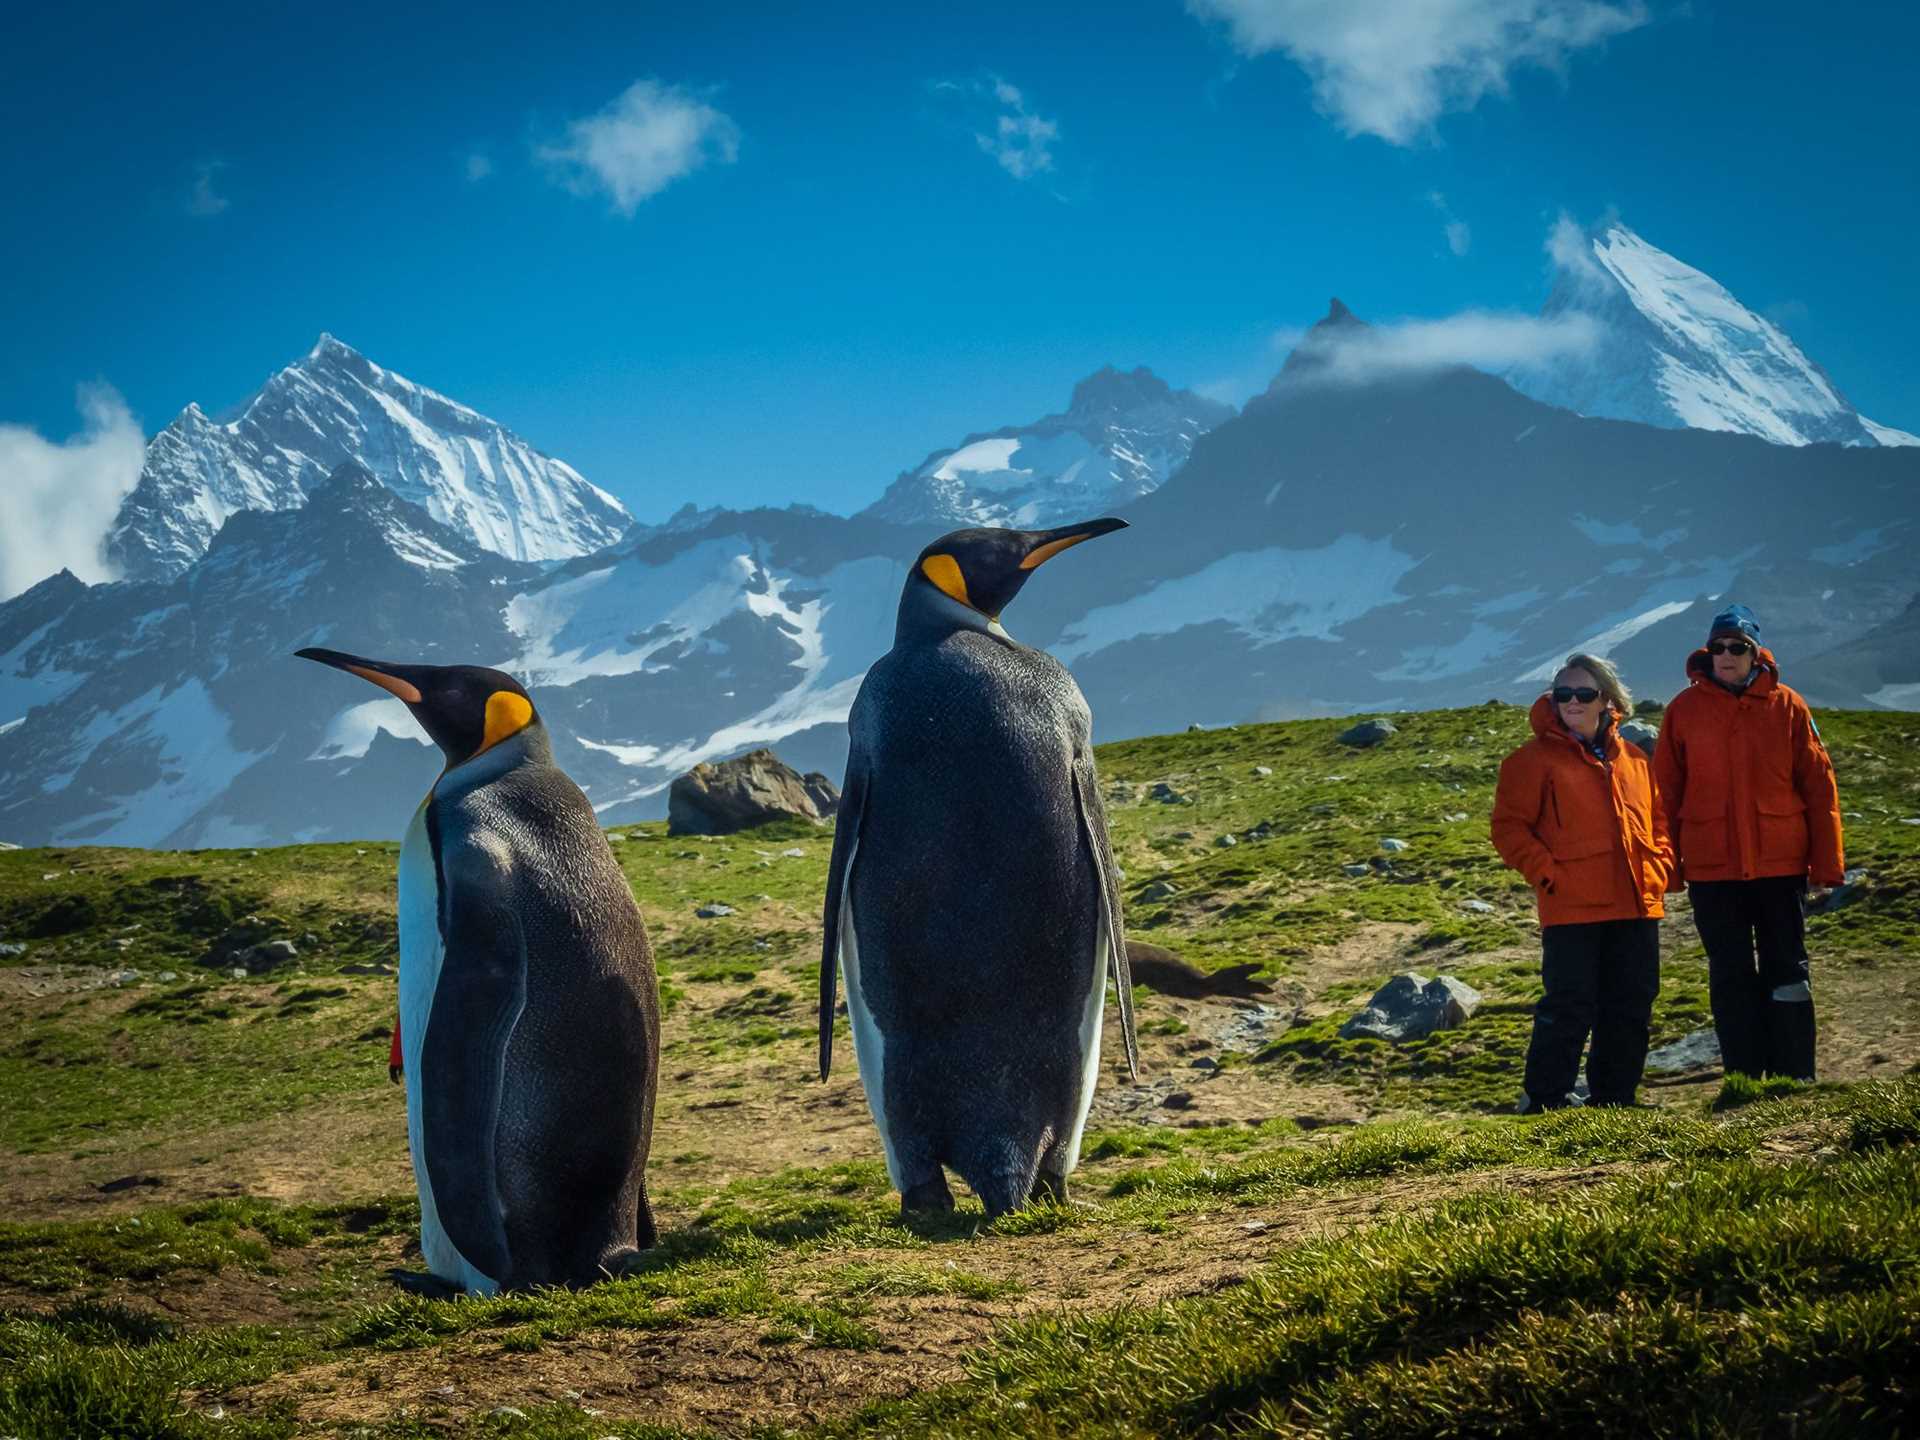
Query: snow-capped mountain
point(335, 405)
point(1119, 439)
point(1677, 350)
point(1432, 538)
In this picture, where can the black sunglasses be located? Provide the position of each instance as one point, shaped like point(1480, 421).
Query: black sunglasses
point(1728, 647)
point(1585, 694)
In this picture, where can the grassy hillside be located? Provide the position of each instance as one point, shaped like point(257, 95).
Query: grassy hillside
point(208, 1187)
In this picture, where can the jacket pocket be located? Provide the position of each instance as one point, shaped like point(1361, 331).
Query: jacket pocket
point(1587, 871)
point(1783, 832)
point(1701, 840)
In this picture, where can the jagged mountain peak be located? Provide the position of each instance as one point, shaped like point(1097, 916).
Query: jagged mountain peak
point(1122, 434)
point(334, 405)
point(1317, 346)
point(1677, 349)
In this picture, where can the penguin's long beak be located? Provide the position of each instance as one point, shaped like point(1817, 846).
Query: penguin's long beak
point(388, 677)
point(1049, 543)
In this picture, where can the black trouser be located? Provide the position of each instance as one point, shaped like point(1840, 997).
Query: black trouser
point(1600, 978)
point(1755, 932)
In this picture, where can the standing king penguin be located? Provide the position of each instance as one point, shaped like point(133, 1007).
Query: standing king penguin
point(972, 900)
point(529, 1011)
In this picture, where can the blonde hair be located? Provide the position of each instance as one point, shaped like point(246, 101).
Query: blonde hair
point(1604, 676)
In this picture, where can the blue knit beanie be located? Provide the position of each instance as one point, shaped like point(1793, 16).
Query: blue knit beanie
point(1735, 620)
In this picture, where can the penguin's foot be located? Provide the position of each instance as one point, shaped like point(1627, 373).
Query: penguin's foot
point(1049, 1189)
point(927, 1195)
point(423, 1282)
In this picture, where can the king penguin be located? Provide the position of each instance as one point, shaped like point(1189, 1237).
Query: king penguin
point(972, 901)
point(529, 1010)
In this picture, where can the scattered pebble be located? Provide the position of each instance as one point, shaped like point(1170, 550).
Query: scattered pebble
point(1263, 770)
point(1160, 890)
point(239, 972)
point(1256, 1227)
point(1356, 871)
point(1393, 846)
point(1176, 1100)
point(166, 977)
point(794, 853)
point(713, 910)
point(615, 837)
point(1204, 1062)
point(1455, 817)
point(1478, 907)
point(1225, 842)
point(13, 948)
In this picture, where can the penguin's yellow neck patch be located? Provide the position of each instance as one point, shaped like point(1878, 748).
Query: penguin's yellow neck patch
point(944, 571)
point(1041, 554)
point(507, 715)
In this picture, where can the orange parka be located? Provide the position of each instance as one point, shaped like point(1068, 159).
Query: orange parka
point(1591, 838)
point(1747, 781)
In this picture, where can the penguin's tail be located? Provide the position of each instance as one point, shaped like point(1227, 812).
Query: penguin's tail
point(1002, 1175)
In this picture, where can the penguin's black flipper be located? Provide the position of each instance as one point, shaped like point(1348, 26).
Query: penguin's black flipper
point(1093, 831)
point(481, 991)
point(846, 838)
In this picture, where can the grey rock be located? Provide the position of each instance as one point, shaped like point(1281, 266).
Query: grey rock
point(751, 790)
point(1263, 770)
point(713, 910)
point(1225, 842)
point(1477, 907)
point(1177, 1100)
point(1410, 1006)
point(1160, 890)
point(1356, 871)
point(1368, 733)
point(1166, 794)
point(13, 948)
point(794, 852)
point(1638, 732)
point(1454, 817)
point(614, 837)
point(1699, 1050)
point(1204, 1062)
point(167, 977)
point(1393, 846)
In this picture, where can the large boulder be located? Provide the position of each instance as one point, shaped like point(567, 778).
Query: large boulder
point(1410, 1006)
point(751, 790)
point(1368, 733)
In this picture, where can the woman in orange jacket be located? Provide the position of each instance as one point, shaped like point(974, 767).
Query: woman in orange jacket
point(1578, 814)
point(1755, 814)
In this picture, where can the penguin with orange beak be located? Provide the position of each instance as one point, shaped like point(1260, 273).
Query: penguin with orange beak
point(529, 1010)
point(972, 901)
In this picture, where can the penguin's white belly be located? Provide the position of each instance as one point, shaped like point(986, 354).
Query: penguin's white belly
point(869, 1047)
point(421, 954)
point(1093, 1012)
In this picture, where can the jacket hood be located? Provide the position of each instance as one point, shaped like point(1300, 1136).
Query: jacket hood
point(1546, 721)
point(1700, 670)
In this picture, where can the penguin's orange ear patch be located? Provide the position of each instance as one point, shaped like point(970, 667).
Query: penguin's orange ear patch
point(1040, 554)
point(944, 571)
point(507, 715)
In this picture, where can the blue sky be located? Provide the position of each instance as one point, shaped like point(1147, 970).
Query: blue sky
point(863, 235)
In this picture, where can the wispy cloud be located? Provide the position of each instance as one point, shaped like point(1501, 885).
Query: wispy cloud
point(649, 137)
point(1486, 340)
point(479, 165)
point(202, 199)
point(62, 496)
point(1004, 127)
point(1459, 236)
point(1392, 67)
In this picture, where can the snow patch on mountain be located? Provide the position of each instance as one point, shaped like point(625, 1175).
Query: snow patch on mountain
point(1267, 595)
point(350, 733)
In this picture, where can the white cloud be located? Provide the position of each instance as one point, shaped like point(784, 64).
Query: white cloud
point(1459, 235)
point(1019, 141)
point(60, 498)
point(202, 199)
point(479, 166)
point(649, 137)
point(1480, 338)
point(1392, 67)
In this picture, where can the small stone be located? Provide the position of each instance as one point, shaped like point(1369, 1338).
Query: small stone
point(13, 948)
point(1161, 791)
point(615, 837)
point(1160, 890)
point(1914, 821)
point(794, 852)
point(166, 977)
point(1356, 871)
point(1204, 1062)
point(123, 977)
point(238, 972)
point(1393, 846)
point(359, 852)
point(507, 1412)
point(1225, 842)
point(1699, 1050)
point(713, 910)
point(1368, 733)
point(1263, 771)
point(1454, 817)
point(1176, 1100)
point(51, 875)
point(1326, 807)
point(1256, 1227)
point(1478, 907)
